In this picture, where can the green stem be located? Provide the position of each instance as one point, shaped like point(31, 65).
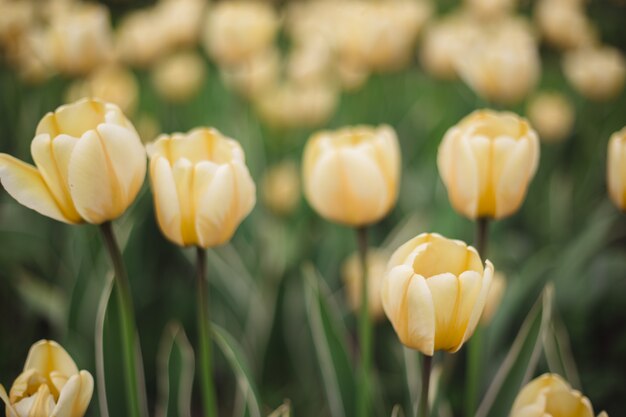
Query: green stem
point(427, 363)
point(127, 321)
point(482, 236)
point(206, 373)
point(365, 331)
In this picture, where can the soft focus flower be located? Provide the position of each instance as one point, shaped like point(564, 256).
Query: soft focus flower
point(179, 21)
point(113, 84)
point(237, 30)
point(494, 297)
point(310, 63)
point(351, 77)
point(597, 73)
point(502, 64)
point(148, 127)
point(281, 187)
point(564, 24)
point(177, 78)
point(616, 168)
point(351, 175)
point(254, 76)
point(550, 395)
point(486, 162)
point(50, 385)
point(90, 164)
point(491, 9)
point(434, 292)
point(552, 115)
point(353, 277)
point(201, 185)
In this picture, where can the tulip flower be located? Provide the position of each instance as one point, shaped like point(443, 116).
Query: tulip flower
point(281, 187)
point(202, 187)
point(494, 297)
point(552, 115)
point(352, 274)
point(90, 164)
point(178, 78)
point(616, 168)
point(50, 385)
point(550, 395)
point(434, 292)
point(598, 73)
point(486, 162)
point(351, 175)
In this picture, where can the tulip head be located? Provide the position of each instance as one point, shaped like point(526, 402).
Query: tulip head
point(90, 164)
point(616, 168)
point(50, 385)
point(281, 188)
point(597, 72)
point(178, 78)
point(351, 175)
point(486, 162)
point(550, 395)
point(552, 115)
point(353, 280)
point(201, 185)
point(434, 292)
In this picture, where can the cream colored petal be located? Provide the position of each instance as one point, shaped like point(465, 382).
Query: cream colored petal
point(25, 184)
point(445, 291)
point(603, 414)
point(464, 186)
point(439, 255)
point(39, 404)
point(445, 155)
point(10, 412)
point(479, 305)
point(470, 285)
point(420, 316)
point(216, 215)
point(75, 396)
point(166, 202)
point(535, 389)
point(615, 166)
point(482, 152)
point(46, 356)
point(393, 295)
point(92, 185)
point(183, 174)
point(58, 379)
point(534, 410)
point(245, 189)
point(503, 147)
point(563, 402)
point(513, 182)
point(77, 118)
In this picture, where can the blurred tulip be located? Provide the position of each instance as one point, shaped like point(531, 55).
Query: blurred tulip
point(90, 164)
point(597, 73)
point(281, 187)
point(351, 78)
point(487, 161)
point(564, 24)
point(616, 168)
point(494, 297)
point(237, 30)
point(310, 63)
point(352, 278)
point(552, 115)
point(179, 21)
point(491, 9)
point(434, 292)
point(550, 395)
point(139, 42)
point(50, 385)
point(351, 175)
point(179, 77)
point(255, 76)
point(201, 185)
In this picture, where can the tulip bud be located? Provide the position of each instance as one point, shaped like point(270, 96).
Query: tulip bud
point(552, 115)
point(616, 168)
point(351, 175)
point(178, 77)
point(487, 161)
point(550, 395)
point(201, 185)
point(597, 73)
point(50, 385)
point(564, 24)
point(353, 278)
point(494, 297)
point(90, 164)
point(434, 292)
point(254, 76)
point(281, 187)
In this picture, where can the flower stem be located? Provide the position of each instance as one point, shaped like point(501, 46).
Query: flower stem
point(127, 321)
point(482, 236)
point(365, 331)
point(206, 373)
point(427, 363)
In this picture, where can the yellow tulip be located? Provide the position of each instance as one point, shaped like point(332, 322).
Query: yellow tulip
point(616, 168)
point(598, 72)
point(552, 114)
point(486, 162)
point(353, 276)
point(351, 175)
point(178, 78)
point(281, 187)
point(201, 185)
point(494, 297)
point(50, 385)
point(549, 395)
point(90, 164)
point(434, 292)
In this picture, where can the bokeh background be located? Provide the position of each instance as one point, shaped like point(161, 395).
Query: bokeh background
point(269, 74)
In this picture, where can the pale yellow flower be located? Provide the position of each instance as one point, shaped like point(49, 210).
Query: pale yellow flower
point(201, 185)
point(353, 277)
point(598, 73)
point(486, 162)
point(564, 24)
point(351, 175)
point(494, 297)
point(552, 115)
point(178, 78)
point(434, 292)
point(254, 76)
point(550, 396)
point(90, 164)
point(616, 168)
point(281, 187)
point(491, 9)
point(50, 385)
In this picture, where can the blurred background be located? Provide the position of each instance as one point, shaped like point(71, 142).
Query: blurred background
point(269, 73)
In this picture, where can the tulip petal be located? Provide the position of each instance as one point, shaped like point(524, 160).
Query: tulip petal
point(394, 290)
point(445, 295)
point(482, 152)
point(534, 391)
point(481, 299)
point(74, 119)
point(166, 199)
point(75, 396)
point(616, 171)
point(514, 179)
point(420, 318)
point(25, 184)
point(464, 185)
point(46, 356)
point(402, 253)
point(10, 412)
point(469, 289)
point(563, 402)
point(183, 174)
point(533, 410)
point(217, 204)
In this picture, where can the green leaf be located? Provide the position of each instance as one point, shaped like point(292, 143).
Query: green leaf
point(99, 345)
point(558, 352)
point(283, 411)
point(330, 341)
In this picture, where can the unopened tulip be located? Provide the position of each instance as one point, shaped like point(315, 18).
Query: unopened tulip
point(491, 9)
point(90, 164)
point(486, 162)
point(552, 115)
point(178, 77)
point(254, 76)
point(201, 185)
point(564, 24)
point(353, 277)
point(597, 73)
point(434, 292)
point(351, 175)
point(616, 168)
point(50, 385)
point(281, 187)
point(494, 297)
point(550, 395)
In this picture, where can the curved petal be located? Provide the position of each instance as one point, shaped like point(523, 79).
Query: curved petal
point(394, 290)
point(25, 184)
point(469, 289)
point(216, 204)
point(463, 189)
point(10, 412)
point(75, 396)
point(513, 182)
point(166, 202)
point(616, 171)
point(184, 176)
point(535, 390)
point(445, 294)
point(420, 316)
point(479, 304)
point(46, 356)
point(563, 402)
point(402, 253)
